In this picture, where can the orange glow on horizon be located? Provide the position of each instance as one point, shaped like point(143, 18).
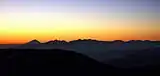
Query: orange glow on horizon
point(21, 39)
point(17, 28)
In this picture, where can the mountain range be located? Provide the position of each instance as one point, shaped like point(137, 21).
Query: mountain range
point(103, 51)
point(81, 57)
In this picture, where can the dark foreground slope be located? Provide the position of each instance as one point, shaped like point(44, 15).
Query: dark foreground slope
point(49, 62)
point(60, 62)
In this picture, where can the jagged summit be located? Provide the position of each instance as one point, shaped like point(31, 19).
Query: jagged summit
point(34, 42)
point(50, 42)
point(56, 42)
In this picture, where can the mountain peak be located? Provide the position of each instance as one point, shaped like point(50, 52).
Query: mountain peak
point(34, 42)
point(50, 42)
point(56, 41)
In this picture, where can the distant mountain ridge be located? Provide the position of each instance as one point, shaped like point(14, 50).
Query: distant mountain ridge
point(102, 51)
point(109, 45)
point(55, 42)
point(90, 40)
point(131, 55)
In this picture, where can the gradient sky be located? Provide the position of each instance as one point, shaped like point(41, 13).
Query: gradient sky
point(24, 20)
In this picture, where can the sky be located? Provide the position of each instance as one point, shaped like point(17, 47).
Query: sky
point(25, 20)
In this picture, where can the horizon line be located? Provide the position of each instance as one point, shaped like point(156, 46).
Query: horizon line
point(74, 40)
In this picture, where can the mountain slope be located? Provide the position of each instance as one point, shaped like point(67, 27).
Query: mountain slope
point(34, 42)
point(50, 62)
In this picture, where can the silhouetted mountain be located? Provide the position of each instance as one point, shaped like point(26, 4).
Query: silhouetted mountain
point(59, 62)
point(56, 42)
point(49, 62)
point(99, 50)
point(50, 42)
point(33, 42)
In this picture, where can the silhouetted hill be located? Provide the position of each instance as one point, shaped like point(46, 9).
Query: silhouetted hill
point(48, 63)
point(29, 62)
